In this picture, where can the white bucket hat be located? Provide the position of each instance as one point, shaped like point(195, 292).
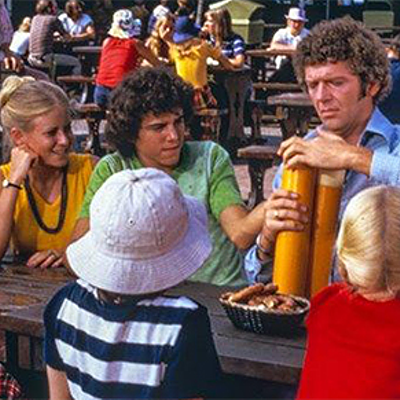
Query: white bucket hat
point(145, 235)
point(296, 14)
point(124, 25)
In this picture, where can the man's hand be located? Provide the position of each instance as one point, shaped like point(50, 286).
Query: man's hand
point(46, 259)
point(327, 151)
point(13, 62)
point(283, 212)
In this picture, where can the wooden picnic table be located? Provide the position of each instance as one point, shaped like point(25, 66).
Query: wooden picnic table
point(89, 56)
point(25, 292)
point(294, 112)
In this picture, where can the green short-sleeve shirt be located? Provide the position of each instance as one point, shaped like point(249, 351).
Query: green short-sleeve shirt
point(206, 173)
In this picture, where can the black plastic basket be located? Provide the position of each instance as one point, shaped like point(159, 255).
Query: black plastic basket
point(260, 320)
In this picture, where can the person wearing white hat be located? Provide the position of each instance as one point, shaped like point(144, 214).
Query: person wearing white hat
point(112, 333)
point(287, 39)
point(120, 55)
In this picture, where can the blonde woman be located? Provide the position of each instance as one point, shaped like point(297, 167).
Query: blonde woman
point(353, 327)
point(156, 43)
point(43, 185)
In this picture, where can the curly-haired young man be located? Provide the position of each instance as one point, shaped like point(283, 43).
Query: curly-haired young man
point(344, 68)
point(148, 115)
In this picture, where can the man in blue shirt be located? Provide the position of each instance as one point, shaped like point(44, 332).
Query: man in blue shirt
point(344, 68)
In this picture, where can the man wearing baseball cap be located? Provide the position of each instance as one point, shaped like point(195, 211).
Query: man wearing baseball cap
point(112, 333)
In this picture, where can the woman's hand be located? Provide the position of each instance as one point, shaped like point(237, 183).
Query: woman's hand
point(283, 212)
point(22, 159)
point(46, 259)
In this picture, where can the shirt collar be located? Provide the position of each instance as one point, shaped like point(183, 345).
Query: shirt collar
point(378, 124)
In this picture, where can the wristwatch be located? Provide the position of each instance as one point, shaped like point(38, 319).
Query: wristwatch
point(6, 183)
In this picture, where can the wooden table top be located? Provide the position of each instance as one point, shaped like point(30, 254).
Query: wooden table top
point(298, 99)
point(26, 292)
point(270, 52)
point(87, 49)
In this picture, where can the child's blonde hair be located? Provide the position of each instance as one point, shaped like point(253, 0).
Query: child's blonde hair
point(368, 242)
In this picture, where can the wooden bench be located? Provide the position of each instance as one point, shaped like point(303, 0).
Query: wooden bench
point(87, 83)
point(259, 159)
point(93, 115)
point(277, 86)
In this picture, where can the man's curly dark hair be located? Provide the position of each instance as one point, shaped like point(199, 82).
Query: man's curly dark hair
point(148, 90)
point(347, 40)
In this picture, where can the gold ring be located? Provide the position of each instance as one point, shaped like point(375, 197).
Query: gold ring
point(53, 253)
point(276, 214)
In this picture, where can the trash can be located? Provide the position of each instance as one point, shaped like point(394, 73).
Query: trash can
point(247, 18)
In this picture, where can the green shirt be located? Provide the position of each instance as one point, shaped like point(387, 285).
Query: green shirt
point(206, 173)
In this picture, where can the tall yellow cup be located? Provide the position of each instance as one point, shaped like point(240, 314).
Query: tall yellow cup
point(292, 248)
point(326, 209)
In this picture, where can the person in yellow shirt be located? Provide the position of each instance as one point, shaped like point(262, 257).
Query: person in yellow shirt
point(43, 184)
point(190, 53)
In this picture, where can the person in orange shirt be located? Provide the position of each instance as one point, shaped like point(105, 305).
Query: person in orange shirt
point(43, 184)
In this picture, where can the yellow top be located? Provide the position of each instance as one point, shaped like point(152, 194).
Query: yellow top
point(27, 236)
point(191, 64)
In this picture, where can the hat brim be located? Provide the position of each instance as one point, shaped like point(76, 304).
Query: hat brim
point(182, 37)
point(88, 260)
point(297, 19)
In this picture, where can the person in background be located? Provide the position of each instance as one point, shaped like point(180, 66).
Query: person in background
point(190, 53)
point(148, 116)
point(120, 55)
point(185, 9)
point(113, 333)
point(7, 57)
point(43, 184)
point(345, 70)
point(390, 105)
point(140, 11)
point(102, 12)
point(353, 327)
point(218, 27)
point(160, 11)
point(156, 43)
point(41, 46)
point(287, 39)
point(80, 26)
point(20, 41)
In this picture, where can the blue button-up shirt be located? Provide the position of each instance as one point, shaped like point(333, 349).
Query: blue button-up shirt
point(380, 136)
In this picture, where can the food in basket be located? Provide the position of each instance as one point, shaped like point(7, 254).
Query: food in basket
point(265, 297)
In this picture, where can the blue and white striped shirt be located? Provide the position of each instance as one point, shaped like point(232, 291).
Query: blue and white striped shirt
point(156, 348)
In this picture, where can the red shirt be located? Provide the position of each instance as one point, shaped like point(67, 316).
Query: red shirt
point(353, 349)
point(118, 58)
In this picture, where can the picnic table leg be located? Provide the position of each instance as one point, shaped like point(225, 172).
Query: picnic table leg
point(12, 352)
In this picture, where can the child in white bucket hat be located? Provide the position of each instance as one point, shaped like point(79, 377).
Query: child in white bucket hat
point(112, 334)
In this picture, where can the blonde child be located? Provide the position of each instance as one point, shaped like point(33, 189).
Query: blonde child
point(353, 349)
point(189, 53)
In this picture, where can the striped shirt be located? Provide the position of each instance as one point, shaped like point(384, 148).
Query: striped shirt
point(42, 34)
point(159, 347)
point(232, 46)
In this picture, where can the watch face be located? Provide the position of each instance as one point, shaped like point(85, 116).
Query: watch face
point(5, 183)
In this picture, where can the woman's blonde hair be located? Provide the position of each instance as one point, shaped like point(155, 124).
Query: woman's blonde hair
point(368, 241)
point(155, 42)
point(22, 99)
